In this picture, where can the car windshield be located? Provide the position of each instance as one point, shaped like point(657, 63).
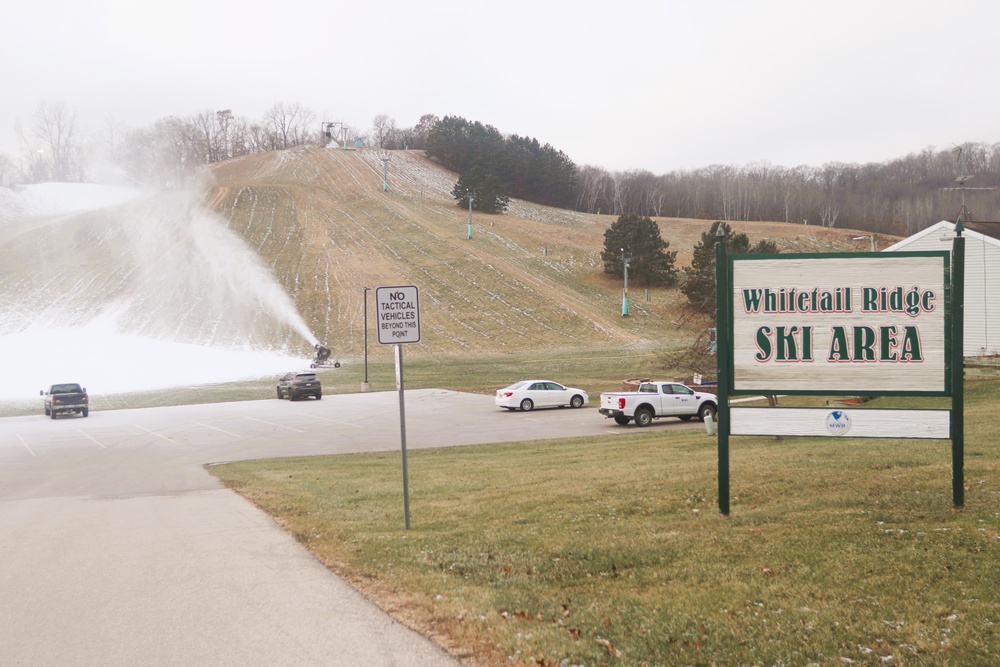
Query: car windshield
point(305, 377)
point(65, 389)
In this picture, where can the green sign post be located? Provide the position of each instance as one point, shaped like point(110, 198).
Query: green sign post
point(958, 368)
point(724, 360)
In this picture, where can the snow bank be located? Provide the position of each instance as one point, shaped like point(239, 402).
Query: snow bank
point(107, 362)
point(42, 199)
point(99, 355)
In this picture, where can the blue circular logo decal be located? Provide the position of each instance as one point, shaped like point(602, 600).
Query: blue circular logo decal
point(838, 423)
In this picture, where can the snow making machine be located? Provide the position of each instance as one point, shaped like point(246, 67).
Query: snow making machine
point(322, 359)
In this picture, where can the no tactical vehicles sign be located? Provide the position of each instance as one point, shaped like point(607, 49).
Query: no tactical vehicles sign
point(398, 310)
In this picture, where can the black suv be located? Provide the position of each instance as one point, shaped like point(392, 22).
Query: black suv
point(297, 384)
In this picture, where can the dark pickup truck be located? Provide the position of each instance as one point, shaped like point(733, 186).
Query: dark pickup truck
point(66, 397)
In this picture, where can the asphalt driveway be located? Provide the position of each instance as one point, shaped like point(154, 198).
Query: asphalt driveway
point(118, 548)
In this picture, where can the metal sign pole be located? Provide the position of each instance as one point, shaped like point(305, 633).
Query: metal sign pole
point(398, 320)
point(958, 368)
point(723, 290)
point(366, 386)
point(402, 435)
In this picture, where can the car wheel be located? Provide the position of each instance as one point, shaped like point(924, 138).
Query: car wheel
point(46, 412)
point(643, 417)
point(319, 395)
point(85, 412)
point(52, 414)
point(706, 411)
point(576, 401)
point(527, 405)
point(279, 395)
point(336, 364)
point(312, 365)
point(621, 421)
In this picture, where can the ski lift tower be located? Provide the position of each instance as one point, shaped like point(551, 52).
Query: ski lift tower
point(963, 213)
point(626, 261)
point(336, 129)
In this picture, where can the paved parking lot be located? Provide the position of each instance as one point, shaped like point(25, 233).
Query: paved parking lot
point(118, 548)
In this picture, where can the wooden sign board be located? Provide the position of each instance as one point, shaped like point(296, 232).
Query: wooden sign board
point(870, 324)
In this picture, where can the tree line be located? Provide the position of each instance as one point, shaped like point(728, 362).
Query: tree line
point(55, 148)
point(493, 166)
point(901, 196)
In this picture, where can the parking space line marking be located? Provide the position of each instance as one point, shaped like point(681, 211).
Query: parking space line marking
point(235, 435)
point(273, 424)
point(101, 444)
point(23, 442)
point(327, 419)
point(143, 428)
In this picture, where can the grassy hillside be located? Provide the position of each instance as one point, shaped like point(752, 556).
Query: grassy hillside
point(273, 236)
point(528, 280)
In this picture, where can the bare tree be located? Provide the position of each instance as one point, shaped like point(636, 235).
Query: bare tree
point(287, 125)
point(54, 127)
point(239, 137)
point(36, 166)
point(593, 184)
point(165, 154)
point(383, 129)
point(423, 129)
point(223, 121)
point(6, 169)
point(207, 136)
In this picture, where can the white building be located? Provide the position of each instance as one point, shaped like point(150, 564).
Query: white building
point(982, 279)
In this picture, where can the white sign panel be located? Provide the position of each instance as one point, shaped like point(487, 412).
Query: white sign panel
point(866, 324)
point(397, 314)
point(842, 422)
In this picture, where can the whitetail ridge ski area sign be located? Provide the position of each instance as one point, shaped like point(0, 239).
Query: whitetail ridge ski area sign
point(872, 324)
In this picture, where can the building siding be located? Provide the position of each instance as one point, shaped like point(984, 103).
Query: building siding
point(982, 283)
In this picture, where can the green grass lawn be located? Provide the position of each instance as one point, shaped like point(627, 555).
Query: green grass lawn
point(602, 551)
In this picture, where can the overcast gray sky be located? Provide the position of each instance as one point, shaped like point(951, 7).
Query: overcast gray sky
point(630, 84)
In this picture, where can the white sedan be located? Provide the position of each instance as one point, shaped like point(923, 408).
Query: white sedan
point(529, 394)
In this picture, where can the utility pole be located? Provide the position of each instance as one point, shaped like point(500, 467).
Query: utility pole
point(385, 173)
point(625, 263)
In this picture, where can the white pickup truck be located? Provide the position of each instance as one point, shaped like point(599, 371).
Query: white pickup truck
point(655, 400)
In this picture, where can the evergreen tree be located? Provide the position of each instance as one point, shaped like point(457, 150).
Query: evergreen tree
point(489, 195)
point(524, 168)
point(639, 237)
point(699, 285)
